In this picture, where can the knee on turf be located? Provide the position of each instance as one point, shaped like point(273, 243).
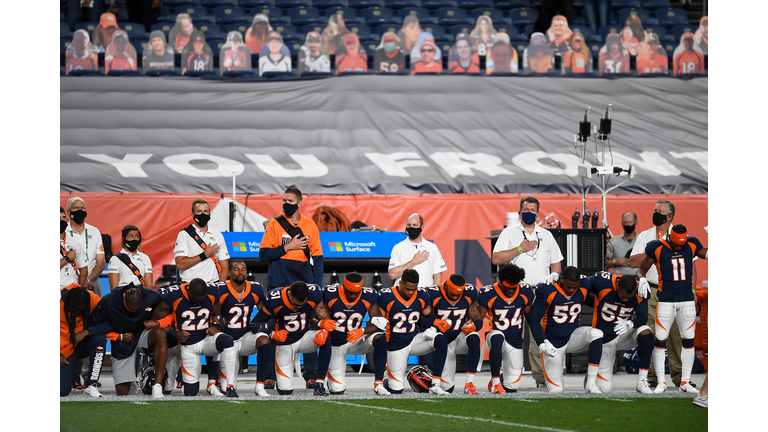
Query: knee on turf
point(336, 388)
point(283, 392)
point(604, 386)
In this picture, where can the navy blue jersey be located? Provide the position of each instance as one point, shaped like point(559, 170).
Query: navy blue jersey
point(236, 308)
point(403, 315)
point(455, 313)
point(560, 315)
point(348, 316)
point(609, 308)
point(296, 321)
point(506, 313)
point(675, 268)
point(194, 319)
point(111, 308)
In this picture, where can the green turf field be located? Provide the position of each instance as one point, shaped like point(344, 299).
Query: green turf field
point(412, 414)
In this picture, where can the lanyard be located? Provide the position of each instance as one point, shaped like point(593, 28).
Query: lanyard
point(72, 234)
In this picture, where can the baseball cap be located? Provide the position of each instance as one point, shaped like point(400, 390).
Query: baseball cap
point(429, 42)
point(313, 35)
point(538, 45)
point(687, 36)
point(108, 20)
point(120, 37)
point(198, 38)
point(260, 18)
point(274, 35)
point(653, 38)
point(351, 37)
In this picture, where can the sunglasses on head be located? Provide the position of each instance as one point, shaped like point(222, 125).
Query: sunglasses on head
point(427, 50)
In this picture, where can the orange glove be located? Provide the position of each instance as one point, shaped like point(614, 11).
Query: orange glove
point(354, 335)
point(468, 327)
point(442, 325)
point(327, 324)
point(321, 337)
point(280, 335)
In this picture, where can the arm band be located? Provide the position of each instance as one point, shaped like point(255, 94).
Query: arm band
point(202, 256)
point(520, 249)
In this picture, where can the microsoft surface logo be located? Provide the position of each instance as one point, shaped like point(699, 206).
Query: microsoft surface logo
point(239, 246)
point(336, 246)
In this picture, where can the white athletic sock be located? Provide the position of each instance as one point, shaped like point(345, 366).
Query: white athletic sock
point(259, 386)
point(642, 374)
point(495, 380)
point(686, 358)
point(470, 378)
point(591, 375)
point(658, 364)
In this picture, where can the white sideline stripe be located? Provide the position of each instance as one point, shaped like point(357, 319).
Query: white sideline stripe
point(236, 402)
point(527, 400)
point(452, 416)
point(140, 403)
point(618, 400)
point(429, 400)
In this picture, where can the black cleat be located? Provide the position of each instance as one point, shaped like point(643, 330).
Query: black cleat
point(269, 384)
point(231, 392)
point(320, 389)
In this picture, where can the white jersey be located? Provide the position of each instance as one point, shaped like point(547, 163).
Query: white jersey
point(404, 252)
point(67, 274)
point(89, 241)
point(535, 262)
point(266, 64)
point(125, 275)
point(186, 246)
point(320, 63)
point(645, 237)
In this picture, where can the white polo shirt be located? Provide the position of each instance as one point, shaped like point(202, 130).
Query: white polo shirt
point(186, 246)
point(645, 237)
point(125, 275)
point(536, 262)
point(404, 252)
point(90, 243)
point(67, 274)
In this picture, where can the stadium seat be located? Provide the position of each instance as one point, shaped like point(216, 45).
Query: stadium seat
point(607, 29)
point(163, 27)
point(671, 17)
point(285, 30)
point(228, 14)
point(680, 29)
point(523, 17)
point(398, 4)
point(377, 16)
point(496, 15)
point(251, 4)
point(63, 29)
point(287, 4)
point(365, 4)
point(177, 3)
point(139, 43)
point(511, 4)
point(370, 48)
point(511, 31)
point(659, 30)
point(311, 27)
point(587, 33)
point(451, 16)
point(527, 30)
point(294, 43)
point(437, 31)
point(643, 14)
point(218, 3)
point(625, 4)
point(304, 15)
point(241, 27)
point(472, 4)
point(210, 30)
point(595, 48)
point(87, 26)
point(193, 11)
point(134, 30)
point(325, 4)
point(464, 28)
point(420, 13)
point(162, 11)
point(380, 30)
point(654, 4)
point(361, 30)
point(437, 4)
point(216, 44)
point(64, 44)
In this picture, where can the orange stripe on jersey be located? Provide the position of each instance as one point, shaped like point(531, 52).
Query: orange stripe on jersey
point(173, 311)
point(284, 295)
point(437, 300)
point(656, 317)
point(544, 319)
point(331, 303)
point(280, 371)
point(313, 304)
point(330, 377)
point(186, 372)
point(693, 248)
point(367, 305)
point(600, 297)
point(545, 371)
point(390, 375)
point(224, 296)
point(503, 296)
point(396, 292)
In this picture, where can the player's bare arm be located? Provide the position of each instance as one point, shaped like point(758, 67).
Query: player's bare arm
point(322, 312)
point(476, 312)
point(702, 253)
point(427, 310)
point(645, 265)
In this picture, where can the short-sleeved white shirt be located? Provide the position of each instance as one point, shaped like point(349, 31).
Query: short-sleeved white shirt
point(186, 246)
point(67, 274)
point(645, 237)
point(90, 243)
point(125, 275)
point(404, 252)
point(536, 262)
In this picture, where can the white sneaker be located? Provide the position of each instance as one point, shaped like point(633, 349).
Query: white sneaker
point(701, 401)
point(593, 389)
point(436, 389)
point(92, 391)
point(661, 388)
point(643, 387)
point(168, 388)
point(380, 390)
point(157, 391)
point(213, 390)
point(260, 392)
point(688, 389)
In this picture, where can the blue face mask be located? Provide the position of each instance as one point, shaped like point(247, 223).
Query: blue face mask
point(528, 218)
point(389, 46)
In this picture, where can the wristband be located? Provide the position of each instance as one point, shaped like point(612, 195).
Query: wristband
point(614, 261)
point(66, 258)
point(202, 256)
point(121, 337)
point(520, 249)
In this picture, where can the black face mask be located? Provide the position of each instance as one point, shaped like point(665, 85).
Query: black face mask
point(629, 229)
point(202, 219)
point(413, 233)
point(659, 219)
point(78, 216)
point(62, 226)
point(290, 209)
point(132, 245)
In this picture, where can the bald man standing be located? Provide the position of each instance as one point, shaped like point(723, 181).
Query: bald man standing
point(417, 253)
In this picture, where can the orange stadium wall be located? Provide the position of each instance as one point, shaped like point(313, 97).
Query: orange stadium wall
point(448, 218)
